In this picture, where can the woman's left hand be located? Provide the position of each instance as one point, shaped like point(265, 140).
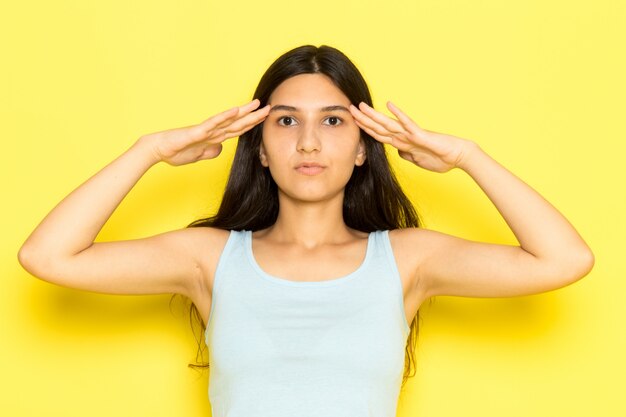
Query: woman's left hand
point(433, 151)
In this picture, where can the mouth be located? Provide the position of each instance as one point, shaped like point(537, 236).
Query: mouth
point(310, 168)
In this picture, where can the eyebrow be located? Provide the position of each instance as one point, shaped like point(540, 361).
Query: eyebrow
point(295, 109)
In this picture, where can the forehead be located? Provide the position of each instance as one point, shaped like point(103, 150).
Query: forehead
point(308, 90)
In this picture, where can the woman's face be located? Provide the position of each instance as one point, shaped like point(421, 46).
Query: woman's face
point(299, 130)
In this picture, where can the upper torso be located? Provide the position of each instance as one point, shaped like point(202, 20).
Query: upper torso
point(311, 266)
point(304, 332)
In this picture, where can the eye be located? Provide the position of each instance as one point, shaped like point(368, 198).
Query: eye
point(289, 121)
point(337, 119)
point(287, 118)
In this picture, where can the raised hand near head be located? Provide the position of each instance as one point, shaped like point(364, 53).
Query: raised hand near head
point(204, 140)
point(434, 151)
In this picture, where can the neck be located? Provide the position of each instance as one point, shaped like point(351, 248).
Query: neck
point(310, 224)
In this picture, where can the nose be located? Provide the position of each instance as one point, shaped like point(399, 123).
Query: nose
point(308, 140)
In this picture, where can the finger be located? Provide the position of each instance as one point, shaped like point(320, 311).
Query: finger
point(232, 129)
point(211, 151)
point(406, 121)
point(249, 120)
point(240, 131)
point(219, 118)
point(223, 118)
point(251, 105)
point(376, 127)
point(246, 111)
point(388, 123)
point(364, 120)
point(372, 133)
point(396, 139)
point(392, 140)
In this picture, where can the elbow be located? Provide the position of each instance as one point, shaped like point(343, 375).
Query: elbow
point(565, 271)
point(26, 258)
point(580, 266)
point(23, 258)
point(32, 262)
point(43, 263)
point(588, 260)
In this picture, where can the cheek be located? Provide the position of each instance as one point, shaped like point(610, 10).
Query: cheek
point(347, 139)
point(274, 140)
point(275, 149)
point(344, 148)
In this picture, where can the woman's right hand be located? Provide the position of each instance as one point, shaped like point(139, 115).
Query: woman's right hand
point(193, 143)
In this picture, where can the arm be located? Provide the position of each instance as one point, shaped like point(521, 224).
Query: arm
point(551, 253)
point(62, 250)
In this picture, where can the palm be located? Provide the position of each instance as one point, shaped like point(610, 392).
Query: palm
point(188, 144)
point(433, 151)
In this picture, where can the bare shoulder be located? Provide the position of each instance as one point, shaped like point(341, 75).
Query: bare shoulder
point(410, 241)
point(411, 246)
point(414, 242)
point(208, 244)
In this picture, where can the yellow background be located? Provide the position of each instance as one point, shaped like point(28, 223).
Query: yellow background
point(540, 85)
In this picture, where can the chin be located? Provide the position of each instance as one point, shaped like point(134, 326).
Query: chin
point(309, 194)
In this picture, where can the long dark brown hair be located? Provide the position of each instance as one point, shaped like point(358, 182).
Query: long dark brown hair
point(373, 198)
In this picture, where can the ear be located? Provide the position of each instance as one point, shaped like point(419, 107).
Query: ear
point(262, 155)
point(360, 156)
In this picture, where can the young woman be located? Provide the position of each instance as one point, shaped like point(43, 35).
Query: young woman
point(309, 274)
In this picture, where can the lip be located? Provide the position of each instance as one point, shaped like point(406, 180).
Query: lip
point(309, 164)
point(310, 168)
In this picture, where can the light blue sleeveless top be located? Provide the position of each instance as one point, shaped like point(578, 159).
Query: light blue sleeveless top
point(283, 348)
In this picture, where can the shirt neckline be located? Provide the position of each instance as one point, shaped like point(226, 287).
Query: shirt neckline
point(324, 283)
